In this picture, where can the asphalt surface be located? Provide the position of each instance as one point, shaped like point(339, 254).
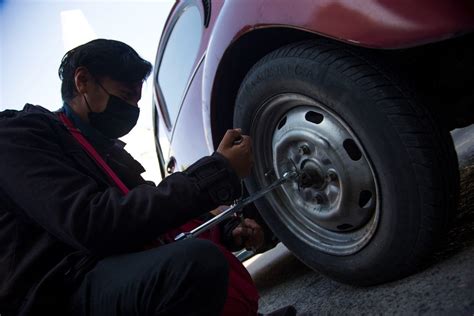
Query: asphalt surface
point(444, 287)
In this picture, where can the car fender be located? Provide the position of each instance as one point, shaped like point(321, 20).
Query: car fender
point(370, 23)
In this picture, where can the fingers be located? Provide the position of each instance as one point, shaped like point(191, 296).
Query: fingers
point(246, 141)
point(252, 224)
point(242, 232)
point(237, 235)
point(249, 234)
point(230, 136)
point(257, 236)
point(234, 137)
point(245, 146)
point(238, 153)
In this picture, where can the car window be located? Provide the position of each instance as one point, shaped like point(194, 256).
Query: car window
point(178, 58)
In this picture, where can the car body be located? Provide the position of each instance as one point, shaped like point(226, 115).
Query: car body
point(208, 49)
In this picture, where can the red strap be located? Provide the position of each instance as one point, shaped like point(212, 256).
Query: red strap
point(93, 153)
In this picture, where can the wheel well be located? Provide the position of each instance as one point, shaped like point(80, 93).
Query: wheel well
point(440, 74)
point(429, 68)
point(235, 64)
point(443, 74)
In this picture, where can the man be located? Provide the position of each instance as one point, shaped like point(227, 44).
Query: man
point(76, 216)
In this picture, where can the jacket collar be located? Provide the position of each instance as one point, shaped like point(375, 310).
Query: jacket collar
point(98, 140)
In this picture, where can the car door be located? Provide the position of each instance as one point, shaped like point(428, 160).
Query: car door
point(177, 85)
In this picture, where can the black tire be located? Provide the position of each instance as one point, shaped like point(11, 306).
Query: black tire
point(412, 157)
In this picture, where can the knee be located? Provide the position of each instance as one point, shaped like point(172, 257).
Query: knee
point(206, 260)
point(199, 261)
point(204, 275)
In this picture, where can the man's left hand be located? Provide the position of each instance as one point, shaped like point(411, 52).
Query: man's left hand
point(248, 234)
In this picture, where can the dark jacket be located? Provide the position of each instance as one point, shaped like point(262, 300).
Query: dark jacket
point(59, 213)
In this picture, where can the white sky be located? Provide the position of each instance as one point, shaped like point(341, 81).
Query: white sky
point(35, 34)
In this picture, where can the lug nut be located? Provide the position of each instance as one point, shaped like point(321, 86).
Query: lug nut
point(304, 150)
point(332, 176)
point(318, 198)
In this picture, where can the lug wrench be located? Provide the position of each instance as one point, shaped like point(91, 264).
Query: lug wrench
point(236, 207)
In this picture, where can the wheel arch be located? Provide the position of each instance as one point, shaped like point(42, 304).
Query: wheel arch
point(245, 52)
point(236, 63)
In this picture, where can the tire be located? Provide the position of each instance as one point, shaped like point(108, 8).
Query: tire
point(381, 176)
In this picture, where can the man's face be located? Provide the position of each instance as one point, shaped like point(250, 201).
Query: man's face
point(98, 97)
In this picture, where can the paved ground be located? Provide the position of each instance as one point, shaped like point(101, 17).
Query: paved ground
point(445, 287)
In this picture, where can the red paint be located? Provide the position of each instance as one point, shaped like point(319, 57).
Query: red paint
point(380, 24)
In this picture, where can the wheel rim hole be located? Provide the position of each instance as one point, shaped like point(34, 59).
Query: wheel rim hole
point(314, 117)
point(282, 123)
point(364, 198)
point(344, 227)
point(352, 149)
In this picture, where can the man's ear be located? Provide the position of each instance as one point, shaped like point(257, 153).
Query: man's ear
point(82, 79)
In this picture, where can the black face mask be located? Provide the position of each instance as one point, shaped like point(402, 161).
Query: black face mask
point(118, 118)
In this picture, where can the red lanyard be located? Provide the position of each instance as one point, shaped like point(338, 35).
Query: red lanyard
point(93, 153)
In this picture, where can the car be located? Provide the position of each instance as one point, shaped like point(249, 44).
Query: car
point(358, 97)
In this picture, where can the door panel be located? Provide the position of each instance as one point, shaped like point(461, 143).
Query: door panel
point(189, 138)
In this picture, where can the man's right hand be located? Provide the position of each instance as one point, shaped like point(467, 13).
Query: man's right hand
point(239, 154)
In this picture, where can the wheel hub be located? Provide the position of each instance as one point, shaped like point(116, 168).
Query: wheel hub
point(333, 205)
point(311, 175)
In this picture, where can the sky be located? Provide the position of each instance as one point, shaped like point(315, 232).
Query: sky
point(35, 34)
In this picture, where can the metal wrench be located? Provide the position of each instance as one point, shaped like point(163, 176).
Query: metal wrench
point(236, 208)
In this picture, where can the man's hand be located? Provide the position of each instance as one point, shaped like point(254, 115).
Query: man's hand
point(249, 235)
point(239, 154)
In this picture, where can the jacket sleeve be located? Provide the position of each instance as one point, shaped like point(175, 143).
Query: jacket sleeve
point(53, 192)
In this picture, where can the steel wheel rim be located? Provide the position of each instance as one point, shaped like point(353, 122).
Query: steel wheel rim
point(337, 211)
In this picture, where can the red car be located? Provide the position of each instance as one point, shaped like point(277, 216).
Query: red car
point(358, 96)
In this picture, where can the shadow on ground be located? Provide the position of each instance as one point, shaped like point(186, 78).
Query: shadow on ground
point(461, 233)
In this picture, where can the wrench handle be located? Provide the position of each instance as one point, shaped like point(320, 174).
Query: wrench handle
point(235, 208)
point(210, 223)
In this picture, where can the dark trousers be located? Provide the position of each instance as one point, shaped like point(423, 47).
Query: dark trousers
point(189, 277)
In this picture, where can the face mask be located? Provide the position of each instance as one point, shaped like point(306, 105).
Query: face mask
point(118, 118)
